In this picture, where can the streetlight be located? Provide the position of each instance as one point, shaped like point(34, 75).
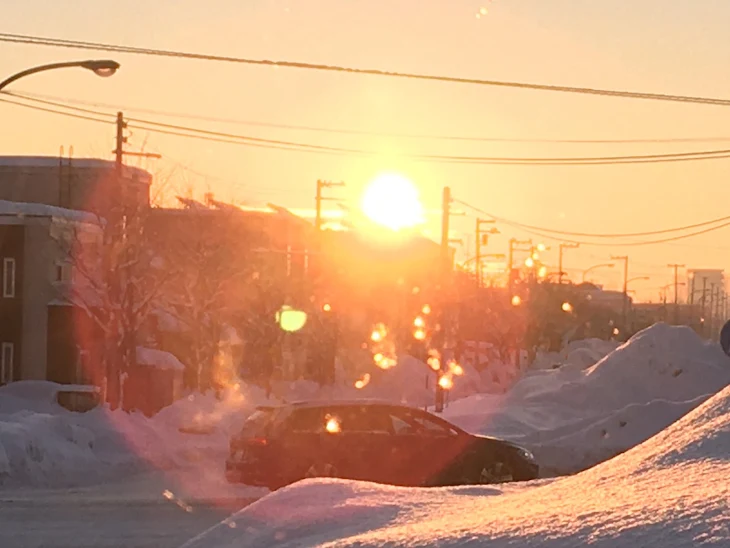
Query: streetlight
point(637, 279)
point(595, 266)
point(103, 68)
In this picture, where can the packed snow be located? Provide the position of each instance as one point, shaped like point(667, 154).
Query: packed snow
point(158, 359)
point(574, 418)
point(44, 445)
point(671, 491)
point(571, 417)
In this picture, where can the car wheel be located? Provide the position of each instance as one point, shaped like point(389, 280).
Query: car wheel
point(495, 472)
point(321, 470)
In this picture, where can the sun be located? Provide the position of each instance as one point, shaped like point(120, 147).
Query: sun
point(391, 200)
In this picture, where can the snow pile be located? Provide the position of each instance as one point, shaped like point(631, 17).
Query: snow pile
point(43, 444)
point(410, 382)
point(573, 419)
point(671, 491)
point(158, 359)
point(579, 355)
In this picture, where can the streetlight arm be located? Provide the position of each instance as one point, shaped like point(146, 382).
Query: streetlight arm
point(100, 68)
point(606, 265)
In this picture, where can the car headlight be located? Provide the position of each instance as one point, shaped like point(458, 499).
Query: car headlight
point(525, 454)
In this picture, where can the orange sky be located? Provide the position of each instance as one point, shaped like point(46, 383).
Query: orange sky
point(678, 47)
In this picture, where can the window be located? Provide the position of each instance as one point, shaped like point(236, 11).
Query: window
point(257, 423)
point(8, 277)
point(364, 419)
point(62, 272)
point(306, 420)
point(415, 422)
point(6, 363)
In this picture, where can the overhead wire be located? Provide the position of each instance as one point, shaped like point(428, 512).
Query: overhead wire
point(545, 235)
point(100, 46)
point(365, 133)
point(232, 138)
point(607, 235)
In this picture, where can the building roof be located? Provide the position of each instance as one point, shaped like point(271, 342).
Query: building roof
point(26, 209)
point(80, 163)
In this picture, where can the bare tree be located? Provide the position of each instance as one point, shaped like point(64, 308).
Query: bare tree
point(209, 249)
point(115, 283)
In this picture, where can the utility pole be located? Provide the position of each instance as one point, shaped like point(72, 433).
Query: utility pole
point(120, 141)
point(513, 246)
point(319, 198)
point(482, 239)
point(676, 268)
point(625, 307)
point(444, 275)
point(560, 258)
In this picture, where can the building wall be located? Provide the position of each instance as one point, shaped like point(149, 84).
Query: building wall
point(83, 184)
point(11, 308)
point(39, 252)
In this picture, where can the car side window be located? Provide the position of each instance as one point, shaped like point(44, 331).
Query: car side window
point(400, 426)
point(308, 420)
point(433, 427)
point(365, 419)
point(412, 422)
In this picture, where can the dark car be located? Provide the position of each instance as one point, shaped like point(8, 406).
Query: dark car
point(369, 441)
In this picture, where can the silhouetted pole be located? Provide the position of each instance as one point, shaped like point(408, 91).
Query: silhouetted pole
point(624, 308)
point(445, 272)
point(676, 268)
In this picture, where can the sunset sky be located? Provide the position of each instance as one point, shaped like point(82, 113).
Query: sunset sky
point(662, 46)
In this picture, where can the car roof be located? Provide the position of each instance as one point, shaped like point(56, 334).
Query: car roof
point(303, 404)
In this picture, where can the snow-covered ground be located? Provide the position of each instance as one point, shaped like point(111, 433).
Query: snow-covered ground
point(671, 491)
point(43, 445)
point(572, 417)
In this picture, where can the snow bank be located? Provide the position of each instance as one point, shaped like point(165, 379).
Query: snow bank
point(671, 491)
point(158, 359)
point(573, 419)
point(579, 354)
point(44, 445)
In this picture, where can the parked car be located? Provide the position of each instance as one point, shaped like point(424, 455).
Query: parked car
point(371, 441)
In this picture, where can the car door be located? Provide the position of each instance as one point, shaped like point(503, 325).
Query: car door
point(443, 444)
point(300, 442)
point(424, 447)
point(365, 433)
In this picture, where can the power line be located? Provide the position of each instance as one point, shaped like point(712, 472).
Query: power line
point(231, 138)
point(81, 117)
point(543, 234)
point(615, 235)
point(99, 46)
point(345, 131)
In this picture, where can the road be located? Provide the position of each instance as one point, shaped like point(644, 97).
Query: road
point(137, 513)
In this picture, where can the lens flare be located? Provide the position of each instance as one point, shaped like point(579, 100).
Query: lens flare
point(516, 300)
point(426, 309)
point(419, 322)
point(419, 335)
point(362, 382)
point(333, 425)
point(567, 307)
point(446, 383)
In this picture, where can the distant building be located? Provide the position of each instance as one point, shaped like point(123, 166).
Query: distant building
point(82, 184)
point(703, 284)
point(613, 300)
point(42, 335)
